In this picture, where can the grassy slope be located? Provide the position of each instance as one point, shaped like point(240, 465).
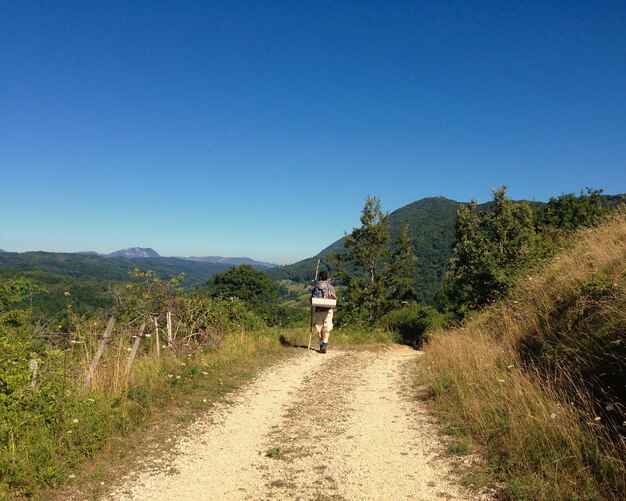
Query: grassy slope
point(537, 381)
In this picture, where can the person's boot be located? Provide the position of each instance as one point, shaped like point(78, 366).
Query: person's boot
point(323, 348)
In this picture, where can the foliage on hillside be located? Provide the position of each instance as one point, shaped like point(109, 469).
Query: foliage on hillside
point(377, 279)
point(496, 243)
point(430, 222)
point(255, 289)
point(537, 380)
point(92, 267)
point(413, 323)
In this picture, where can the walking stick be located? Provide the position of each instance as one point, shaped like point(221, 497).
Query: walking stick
point(317, 270)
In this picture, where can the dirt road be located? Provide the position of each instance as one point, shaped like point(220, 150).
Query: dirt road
point(342, 426)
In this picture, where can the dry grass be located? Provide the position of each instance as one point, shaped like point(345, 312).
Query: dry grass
point(523, 378)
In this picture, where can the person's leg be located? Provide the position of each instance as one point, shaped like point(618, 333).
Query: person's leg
point(319, 325)
point(326, 328)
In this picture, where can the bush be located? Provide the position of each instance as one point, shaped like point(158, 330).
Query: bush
point(413, 323)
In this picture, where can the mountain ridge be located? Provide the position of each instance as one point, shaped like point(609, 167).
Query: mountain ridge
point(431, 223)
point(98, 267)
point(148, 252)
point(137, 252)
point(233, 261)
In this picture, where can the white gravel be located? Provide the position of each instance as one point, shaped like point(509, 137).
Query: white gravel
point(346, 424)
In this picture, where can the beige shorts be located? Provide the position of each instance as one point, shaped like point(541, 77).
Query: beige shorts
point(324, 324)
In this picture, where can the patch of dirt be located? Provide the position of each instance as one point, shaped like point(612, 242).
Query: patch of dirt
point(341, 426)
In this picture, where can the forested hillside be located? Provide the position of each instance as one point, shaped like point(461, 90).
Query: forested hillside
point(431, 226)
point(100, 268)
point(90, 276)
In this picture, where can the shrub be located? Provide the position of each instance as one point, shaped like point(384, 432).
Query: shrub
point(413, 323)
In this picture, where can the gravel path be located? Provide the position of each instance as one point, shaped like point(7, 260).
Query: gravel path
point(342, 426)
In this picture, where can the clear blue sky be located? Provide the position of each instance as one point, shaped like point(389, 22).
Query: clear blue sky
point(258, 128)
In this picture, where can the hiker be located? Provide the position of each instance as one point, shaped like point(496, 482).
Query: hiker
point(323, 316)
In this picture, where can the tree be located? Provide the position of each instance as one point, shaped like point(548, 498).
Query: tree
point(13, 293)
point(472, 276)
point(376, 278)
point(491, 247)
point(399, 271)
point(147, 297)
point(569, 212)
point(245, 283)
point(254, 288)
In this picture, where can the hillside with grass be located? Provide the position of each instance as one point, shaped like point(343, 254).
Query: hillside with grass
point(536, 382)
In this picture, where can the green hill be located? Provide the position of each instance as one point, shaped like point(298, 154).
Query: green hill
point(89, 276)
point(94, 267)
point(431, 224)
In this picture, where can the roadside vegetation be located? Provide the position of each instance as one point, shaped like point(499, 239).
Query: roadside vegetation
point(53, 418)
point(534, 376)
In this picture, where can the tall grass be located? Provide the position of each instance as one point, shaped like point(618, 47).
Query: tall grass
point(538, 380)
point(48, 430)
point(339, 337)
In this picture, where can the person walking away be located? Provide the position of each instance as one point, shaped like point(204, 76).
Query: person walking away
point(323, 316)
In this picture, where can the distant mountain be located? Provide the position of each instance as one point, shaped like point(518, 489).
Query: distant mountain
point(131, 252)
point(232, 261)
point(96, 267)
point(2, 250)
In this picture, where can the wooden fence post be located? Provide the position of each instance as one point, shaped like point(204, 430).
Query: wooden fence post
point(33, 366)
point(158, 342)
point(96, 357)
point(133, 351)
point(169, 329)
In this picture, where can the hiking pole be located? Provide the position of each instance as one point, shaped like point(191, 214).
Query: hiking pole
point(317, 270)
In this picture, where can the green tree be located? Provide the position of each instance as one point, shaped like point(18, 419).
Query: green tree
point(254, 288)
point(146, 297)
point(13, 293)
point(245, 283)
point(377, 278)
point(569, 212)
point(399, 271)
point(366, 252)
point(367, 245)
point(491, 247)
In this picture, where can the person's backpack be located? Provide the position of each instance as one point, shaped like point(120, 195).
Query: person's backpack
point(323, 297)
point(318, 292)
